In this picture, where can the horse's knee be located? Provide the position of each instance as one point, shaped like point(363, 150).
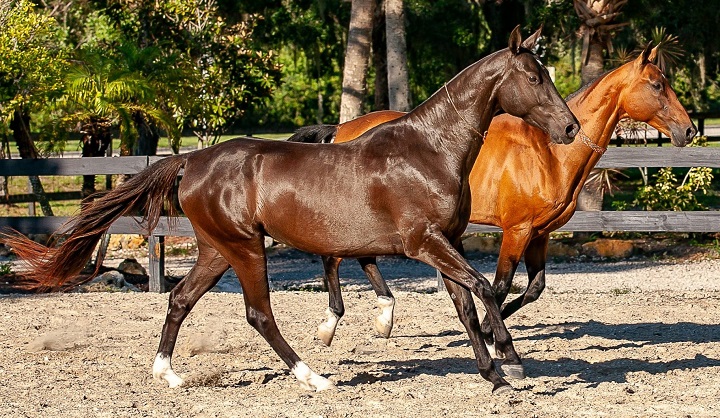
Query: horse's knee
point(483, 289)
point(502, 287)
point(257, 319)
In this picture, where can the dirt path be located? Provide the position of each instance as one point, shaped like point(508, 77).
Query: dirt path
point(597, 351)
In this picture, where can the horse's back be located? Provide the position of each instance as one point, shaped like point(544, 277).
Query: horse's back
point(352, 129)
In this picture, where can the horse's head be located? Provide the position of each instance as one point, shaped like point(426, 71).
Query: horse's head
point(648, 97)
point(525, 90)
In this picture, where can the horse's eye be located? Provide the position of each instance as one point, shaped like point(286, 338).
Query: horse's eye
point(533, 79)
point(657, 86)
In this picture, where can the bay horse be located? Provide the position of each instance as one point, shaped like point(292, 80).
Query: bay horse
point(400, 189)
point(521, 184)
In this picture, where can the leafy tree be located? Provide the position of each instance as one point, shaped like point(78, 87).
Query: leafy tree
point(30, 69)
point(102, 92)
point(668, 193)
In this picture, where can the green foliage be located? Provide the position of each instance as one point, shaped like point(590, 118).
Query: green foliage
point(5, 269)
point(443, 37)
point(228, 74)
point(104, 89)
point(667, 193)
point(32, 60)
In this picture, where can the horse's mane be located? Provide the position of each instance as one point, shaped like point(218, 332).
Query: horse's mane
point(320, 134)
point(587, 85)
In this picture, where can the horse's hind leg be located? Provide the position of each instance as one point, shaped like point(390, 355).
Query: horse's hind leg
point(386, 301)
point(535, 258)
point(206, 272)
point(336, 308)
point(248, 260)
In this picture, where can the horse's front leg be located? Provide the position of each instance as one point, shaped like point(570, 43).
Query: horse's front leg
point(205, 274)
point(433, 248)
point(513, 245)
point(336, 308)
point(385, 301)
point(535, 258)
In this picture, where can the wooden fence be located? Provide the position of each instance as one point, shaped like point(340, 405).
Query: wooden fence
point(622, 157)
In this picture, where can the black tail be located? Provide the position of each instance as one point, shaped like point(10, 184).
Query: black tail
point(147, 191)
point(316, 134)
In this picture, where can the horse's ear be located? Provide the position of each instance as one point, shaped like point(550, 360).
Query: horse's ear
point(653, 54)
point(532, 40)
point(643, 58)
point(515, 40)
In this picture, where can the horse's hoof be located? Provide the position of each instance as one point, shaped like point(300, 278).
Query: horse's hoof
point(503, 390)
point(163, 371)
point(322, 384)
point(514, 371)
point(326, 334)
point(383, 327)
point(326, 330)
point(310, 380)
point(384, 321)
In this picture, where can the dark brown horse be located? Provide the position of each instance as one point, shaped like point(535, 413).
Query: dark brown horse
point(525, 187)
point(400, 189)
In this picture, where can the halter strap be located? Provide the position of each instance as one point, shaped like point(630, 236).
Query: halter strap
point(593, 146)
point(482, 136)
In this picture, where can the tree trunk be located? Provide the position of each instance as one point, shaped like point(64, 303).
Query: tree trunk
point(398, 89)
point(357, 57)
point(379, 51)
point(593, 61)
point(96, 140)
point(148, 136)
point(20, 126)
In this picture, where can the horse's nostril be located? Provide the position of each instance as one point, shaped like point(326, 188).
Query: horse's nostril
point(572, 129)
point(690, 133)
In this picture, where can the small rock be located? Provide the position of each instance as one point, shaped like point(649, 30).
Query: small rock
point(131, 266)
point(612, 248)
point(107, 282)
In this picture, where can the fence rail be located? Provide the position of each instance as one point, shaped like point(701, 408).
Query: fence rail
point(621, 157)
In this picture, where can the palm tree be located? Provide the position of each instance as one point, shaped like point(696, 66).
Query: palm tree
point(597, 25)
point(101, 95)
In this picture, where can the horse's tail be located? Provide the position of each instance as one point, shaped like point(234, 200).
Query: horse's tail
point(317, 134)
point(50, 267)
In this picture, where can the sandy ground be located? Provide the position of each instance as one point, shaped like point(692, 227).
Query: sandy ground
point(634, 338)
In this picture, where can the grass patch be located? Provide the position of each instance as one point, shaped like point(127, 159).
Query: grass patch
point(19, 185)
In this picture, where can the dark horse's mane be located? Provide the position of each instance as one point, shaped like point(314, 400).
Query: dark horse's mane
point(318, 134)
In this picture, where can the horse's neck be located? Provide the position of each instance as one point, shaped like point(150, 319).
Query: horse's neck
point(454, 119)
point(598, 112)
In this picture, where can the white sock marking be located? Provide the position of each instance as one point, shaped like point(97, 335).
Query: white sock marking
point(326, 330)
point(384, 322)
point(163, 370)
point(310, 380)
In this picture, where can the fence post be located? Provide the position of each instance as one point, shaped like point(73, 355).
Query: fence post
point(156, 264)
